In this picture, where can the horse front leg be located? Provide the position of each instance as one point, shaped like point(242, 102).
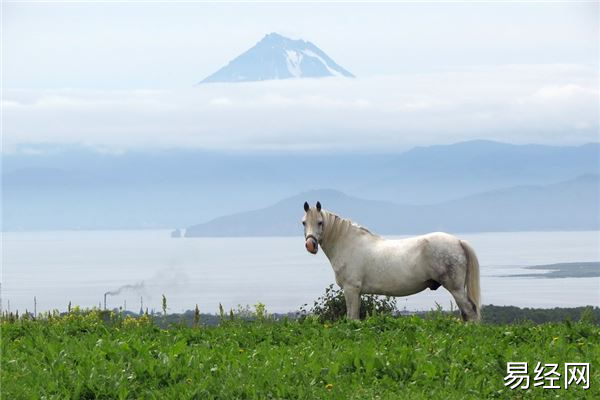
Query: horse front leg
point(352, 296)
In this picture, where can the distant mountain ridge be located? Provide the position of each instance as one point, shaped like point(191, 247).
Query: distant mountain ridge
point(568, 205)
point(443, 172)
point(80, 188)
point(278, 57)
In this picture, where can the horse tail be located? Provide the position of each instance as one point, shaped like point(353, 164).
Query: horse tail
point(472, 278)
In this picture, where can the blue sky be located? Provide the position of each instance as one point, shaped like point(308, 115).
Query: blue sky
point(121, 75)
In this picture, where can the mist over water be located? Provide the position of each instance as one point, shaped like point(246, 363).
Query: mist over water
point(80, 267)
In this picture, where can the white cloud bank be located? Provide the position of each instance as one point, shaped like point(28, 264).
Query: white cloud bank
point(554, 104)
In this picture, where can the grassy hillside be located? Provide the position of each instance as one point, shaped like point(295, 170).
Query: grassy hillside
point(95, 355)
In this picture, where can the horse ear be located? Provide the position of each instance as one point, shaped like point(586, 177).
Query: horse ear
point(306, 206)
point(318, 206)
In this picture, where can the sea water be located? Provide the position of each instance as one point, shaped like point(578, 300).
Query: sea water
point(58, 267)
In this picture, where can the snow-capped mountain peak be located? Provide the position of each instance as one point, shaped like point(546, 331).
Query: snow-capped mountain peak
point(278, 57)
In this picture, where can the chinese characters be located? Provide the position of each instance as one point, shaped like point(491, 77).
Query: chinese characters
point(547, 375)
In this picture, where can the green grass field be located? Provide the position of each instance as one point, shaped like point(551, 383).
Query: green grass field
point(81, 356)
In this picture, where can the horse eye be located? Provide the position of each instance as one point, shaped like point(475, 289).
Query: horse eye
point(304, 223)
point(320, 223)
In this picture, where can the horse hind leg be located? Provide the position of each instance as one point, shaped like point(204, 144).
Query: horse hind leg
point(468, 311)
point(453, 281)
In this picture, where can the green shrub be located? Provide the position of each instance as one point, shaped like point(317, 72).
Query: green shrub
point(332, 305)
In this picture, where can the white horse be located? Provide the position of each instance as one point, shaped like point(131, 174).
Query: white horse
point(366, 263)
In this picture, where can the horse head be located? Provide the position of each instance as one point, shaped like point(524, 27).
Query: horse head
point(313, 227)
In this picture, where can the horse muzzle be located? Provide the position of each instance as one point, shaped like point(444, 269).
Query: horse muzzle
point(312, 245)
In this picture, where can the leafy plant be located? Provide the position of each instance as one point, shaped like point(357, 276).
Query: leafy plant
point(261, 311)
point(332, 305)
point(164, 305)
point(196, 316)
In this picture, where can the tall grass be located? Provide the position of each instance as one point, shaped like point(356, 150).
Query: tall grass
point(106, 354)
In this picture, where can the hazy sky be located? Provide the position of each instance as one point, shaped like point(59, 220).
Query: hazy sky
point(122, 75)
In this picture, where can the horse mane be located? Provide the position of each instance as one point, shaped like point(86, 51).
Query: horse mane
point(336, 226)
